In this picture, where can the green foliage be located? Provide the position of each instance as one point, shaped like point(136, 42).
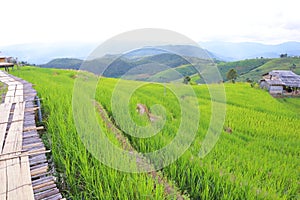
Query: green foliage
point(252, 84)
point(247, 164)
point(232, 75)
point(82, 176)
point(242, 67)
point(259, 160)
point(196, 78)
point(283, 55)
point(64, 63)
point(186, 80)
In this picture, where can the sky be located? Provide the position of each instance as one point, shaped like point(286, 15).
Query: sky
point(45, 21)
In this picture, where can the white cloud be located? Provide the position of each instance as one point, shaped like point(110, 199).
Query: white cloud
point(49, 21)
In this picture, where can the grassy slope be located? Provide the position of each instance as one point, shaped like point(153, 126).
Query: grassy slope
point(245, 165)
point(174, 73)
point(249, 68)
point(274, 64)
point(64, 63)
point(254, 68)
point(245, 68)
point(82, 176)
point(260, 159)
point(242, 67)
point(292, 103)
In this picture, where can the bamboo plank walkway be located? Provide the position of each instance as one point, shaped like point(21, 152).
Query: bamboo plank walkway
point(23, 164)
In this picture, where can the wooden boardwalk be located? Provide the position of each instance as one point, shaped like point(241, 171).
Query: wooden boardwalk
point(24, 170)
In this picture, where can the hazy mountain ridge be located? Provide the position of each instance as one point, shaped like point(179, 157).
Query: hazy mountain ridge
point(155, 64)
point(117, 66)
point(41, 53)
point(248, 50)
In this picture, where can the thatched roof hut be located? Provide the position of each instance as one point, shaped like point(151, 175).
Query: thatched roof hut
point(278, 80)
point(5, 62)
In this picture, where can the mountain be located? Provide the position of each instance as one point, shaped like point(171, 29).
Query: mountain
point(41, 53)
point(118, 65)
point(64, 63)
point(138, 64)
point(246, 50)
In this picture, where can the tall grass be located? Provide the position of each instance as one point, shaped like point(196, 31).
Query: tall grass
point(258, 160)
point(81, 175)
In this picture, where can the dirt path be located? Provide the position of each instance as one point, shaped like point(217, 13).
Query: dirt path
point(169, 189)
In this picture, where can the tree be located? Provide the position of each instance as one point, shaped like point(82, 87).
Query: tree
point(249, 80)
point(186, 80)
point(293, 66)
point(283, 55)
point(232, 75)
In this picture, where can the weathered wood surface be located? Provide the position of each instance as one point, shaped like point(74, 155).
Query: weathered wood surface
point(23, 163)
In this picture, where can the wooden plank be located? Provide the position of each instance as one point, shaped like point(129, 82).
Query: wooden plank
point(9, 100)
point(20, 87)
point(19, 92)
point(27, 189)
point(3, 180)
point(19, 112)
point(32, 109)
point(27, 146)
point(47, 187)
point(29, 134)
point(31, 128)
point(14, 136)
point(12, 82)
point(19, 180)
point(46, 193)
point(40, 170)
point(10, 93)
point(36, 162)
point(2, 135)
point(13, 140)
point(20, 154)
point(13, 180)
point(43, 184)
point(54, 197)
point(36, 183)
point(18, 99)
point(5, 110)
point(11, 88)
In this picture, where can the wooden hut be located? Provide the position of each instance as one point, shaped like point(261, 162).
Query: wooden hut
point(5, 62)
point(278, 82)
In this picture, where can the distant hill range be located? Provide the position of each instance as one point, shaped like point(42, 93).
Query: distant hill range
point(140, 64)
point(163, 63)
point(41, 53)
point(229, 51)
point(157, 64)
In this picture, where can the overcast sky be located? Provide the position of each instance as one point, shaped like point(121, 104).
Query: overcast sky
point(265, 21)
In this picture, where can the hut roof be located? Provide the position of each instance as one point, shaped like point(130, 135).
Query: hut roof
point(275, 82)
point(284, 77)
